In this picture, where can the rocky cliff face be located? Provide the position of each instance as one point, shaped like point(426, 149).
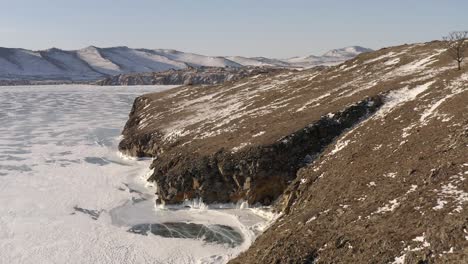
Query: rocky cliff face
point(188, 76)
point(257, 174)
point(368, 158)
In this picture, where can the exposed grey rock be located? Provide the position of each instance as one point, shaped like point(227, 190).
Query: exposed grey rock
point(188, 76)
point(257, 174)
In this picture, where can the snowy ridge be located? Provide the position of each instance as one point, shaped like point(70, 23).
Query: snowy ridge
point(331, 57)
point(93, 63)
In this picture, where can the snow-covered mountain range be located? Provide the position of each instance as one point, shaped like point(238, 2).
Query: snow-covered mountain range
point(94, 63)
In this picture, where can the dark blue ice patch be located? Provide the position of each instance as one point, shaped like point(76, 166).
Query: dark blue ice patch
point(220, 234)
point(94, 214)
point(97, 160)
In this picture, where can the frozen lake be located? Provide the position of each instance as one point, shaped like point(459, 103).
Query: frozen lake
point(67, 196)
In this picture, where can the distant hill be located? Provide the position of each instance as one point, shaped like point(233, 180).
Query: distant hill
point(331, 57)
point(94, 63)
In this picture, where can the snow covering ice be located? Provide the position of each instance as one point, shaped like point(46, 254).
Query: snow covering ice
point(68, 196)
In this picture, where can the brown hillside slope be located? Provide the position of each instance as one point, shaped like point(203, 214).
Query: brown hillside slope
point(391, 190)
point(387, 135)
point(247, 139)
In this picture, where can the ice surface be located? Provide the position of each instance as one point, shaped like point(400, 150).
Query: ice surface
point(221, 234)
point(68, 196)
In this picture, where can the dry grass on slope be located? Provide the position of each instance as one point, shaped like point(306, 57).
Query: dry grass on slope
point(391, 190)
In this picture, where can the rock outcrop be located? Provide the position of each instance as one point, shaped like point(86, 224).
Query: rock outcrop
point(257, 174)
point(188, 76)
point(368, 158)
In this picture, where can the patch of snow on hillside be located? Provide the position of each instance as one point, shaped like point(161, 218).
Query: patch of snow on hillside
point(420, 64)
point(174, 134)
point(399, 97)
point(387, 55)
point(131, 60)
point(311, 219)
point(361, 88)
point(92, 56)
point(392, 62)
point(458, 196)
point(259, 134)
point(412, 189)
point(241, 146)
point(458, 86)
point(31, 63)
point(195, 59)
point(390, 207)
point(400, 259)
point(406, 130)
point(440, 204)
point(313, 101)
point(377, 147)
point(206, 117)
point(421, 240)
point(339, 146)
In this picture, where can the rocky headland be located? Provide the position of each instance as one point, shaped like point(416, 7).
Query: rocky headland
point(365, 161)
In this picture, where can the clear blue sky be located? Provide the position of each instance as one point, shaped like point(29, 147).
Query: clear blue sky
point(273, 28)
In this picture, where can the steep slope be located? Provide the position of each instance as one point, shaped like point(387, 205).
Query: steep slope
point(130, 60)
point(93, 57)
point(70, 63)
point(390, 189)
point(14, 62)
